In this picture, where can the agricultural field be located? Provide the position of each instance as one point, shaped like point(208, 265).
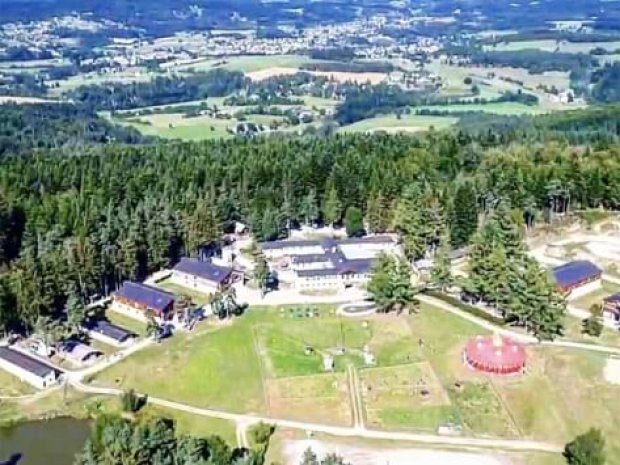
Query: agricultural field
point(500, 108)
point(247, 64)
point(73, 82)
point(552, 46)
point(407, 123)
point(175, 126)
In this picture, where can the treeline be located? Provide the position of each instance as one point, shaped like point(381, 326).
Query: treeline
point(606, 88)
point(536, 61)
point(550, 34)
point(88, 219)
point(159, 91)
point(599, 125)
point(115, 440)
point(27, 127)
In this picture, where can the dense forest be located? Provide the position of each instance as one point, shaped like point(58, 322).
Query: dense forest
point(36, 126)
point(87, 219)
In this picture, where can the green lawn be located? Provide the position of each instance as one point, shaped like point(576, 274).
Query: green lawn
point(126, 322)
point(198, 298)
point(596, 297)
point(196, 425)
point(208, 368)
point(12, 386)
point(407, 123)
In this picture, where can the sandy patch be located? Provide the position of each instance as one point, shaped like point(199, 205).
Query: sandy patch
point(612, 370)
point(23, 100)
point(293, 453)
point(373, 78)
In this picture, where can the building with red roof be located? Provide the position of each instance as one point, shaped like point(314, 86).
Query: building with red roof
point(495, 355)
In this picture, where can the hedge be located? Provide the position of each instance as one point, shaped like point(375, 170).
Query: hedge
point(465, 307)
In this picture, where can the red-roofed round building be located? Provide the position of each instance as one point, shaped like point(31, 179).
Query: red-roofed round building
point(495, 355)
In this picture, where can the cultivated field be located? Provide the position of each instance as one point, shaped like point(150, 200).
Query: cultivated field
point(501, 108)
point(360, 78)
point(407, 123)
point(553, 45)
point(247, 64)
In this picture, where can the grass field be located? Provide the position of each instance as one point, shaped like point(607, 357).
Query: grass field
point(248, 64)
point(316, 398)
point(552, 46)
point(197, 297)
point(257, 364)
point(129, 323)
point(502, 108)
point(175, 126)
point(12, 386)
point(596, 297)
point(407, 395)
point(408, 123)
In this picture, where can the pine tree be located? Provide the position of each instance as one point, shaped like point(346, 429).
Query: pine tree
point(586, 449)
point(441, 274)
point(377, 214)
point(463, 217)
point(333, 207)
point(353, 221)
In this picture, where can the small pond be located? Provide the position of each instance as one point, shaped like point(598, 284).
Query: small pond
point(49, 442)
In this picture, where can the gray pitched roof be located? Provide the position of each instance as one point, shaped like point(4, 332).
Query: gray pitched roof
point(23, 361)
point(110, 330)
point(205, 270)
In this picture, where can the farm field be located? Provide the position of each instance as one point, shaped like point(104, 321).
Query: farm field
point(408, 123)
point(454, 75)
point(128, 76)
point(552, 46)
point(501, 108)
point(247, 64)
point(174, 126)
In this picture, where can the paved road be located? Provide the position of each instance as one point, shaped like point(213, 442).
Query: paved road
point(246, 420)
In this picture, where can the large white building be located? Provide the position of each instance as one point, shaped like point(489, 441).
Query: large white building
point(329, 263)
point(28, 369)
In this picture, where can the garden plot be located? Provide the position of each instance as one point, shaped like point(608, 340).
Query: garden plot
point(322, 398)
point(407, 396)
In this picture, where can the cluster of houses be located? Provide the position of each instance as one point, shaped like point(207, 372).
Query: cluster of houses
point(328, 263)
point(136, 300)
